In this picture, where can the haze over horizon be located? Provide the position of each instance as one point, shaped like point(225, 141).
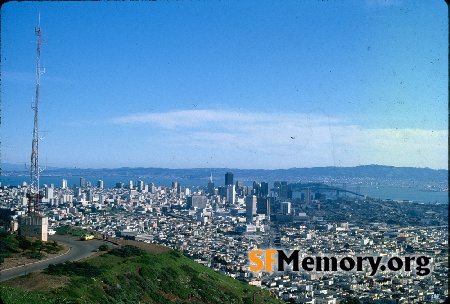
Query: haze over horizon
point(254, 85)
point(17, 167)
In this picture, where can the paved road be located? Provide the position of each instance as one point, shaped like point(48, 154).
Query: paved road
point(79, 250)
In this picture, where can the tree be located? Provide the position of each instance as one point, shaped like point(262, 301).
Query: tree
point(38, 245)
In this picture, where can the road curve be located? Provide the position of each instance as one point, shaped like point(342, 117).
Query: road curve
point(78, 250)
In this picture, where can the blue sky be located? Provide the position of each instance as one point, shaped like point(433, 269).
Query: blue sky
point(237, 84)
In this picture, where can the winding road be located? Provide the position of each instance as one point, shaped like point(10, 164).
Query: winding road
point(78, 250)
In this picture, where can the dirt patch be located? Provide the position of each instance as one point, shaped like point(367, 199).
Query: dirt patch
point(37, 282)
point(19, 260)
point(153, 248)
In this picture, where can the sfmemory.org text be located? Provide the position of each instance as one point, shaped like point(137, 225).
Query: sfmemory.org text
point(265, 260)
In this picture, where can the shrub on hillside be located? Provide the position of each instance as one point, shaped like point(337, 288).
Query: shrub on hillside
point(33, 254)
point(127, 251)
point(24, 243)
point(103, 247)
point(6, 248)
point(73, 268)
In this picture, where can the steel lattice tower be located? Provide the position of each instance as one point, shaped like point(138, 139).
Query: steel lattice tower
point(33, 195)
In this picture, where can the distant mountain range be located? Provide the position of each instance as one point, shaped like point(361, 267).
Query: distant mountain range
point(367, 172)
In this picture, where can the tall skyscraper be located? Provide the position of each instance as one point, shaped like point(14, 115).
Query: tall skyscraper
point(130, 185)
point(250, 206)
point(100, 184)
point(256, 188)
point(286, 208)
point(48, 193)
point(284, 190)
point(277, 188)
point(308, 196)
point(263, 206)
point(231, 193)
point(140, 185)
point(77, 192)
point(174, 185)
point(264, 189)
point(64, 184)
point(151, 187)
point(222, 191)
point(82, 182)
point(90, 195)
point(228, 178)
point(210, 185)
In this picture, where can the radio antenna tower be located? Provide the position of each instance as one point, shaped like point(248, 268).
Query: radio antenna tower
point(33, 195)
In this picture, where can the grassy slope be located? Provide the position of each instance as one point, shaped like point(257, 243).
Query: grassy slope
point(151, 278)
point(14, 246)
point(70, 230)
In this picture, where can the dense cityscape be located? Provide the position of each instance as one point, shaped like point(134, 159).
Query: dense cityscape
point(335, 87)
point(219, 225)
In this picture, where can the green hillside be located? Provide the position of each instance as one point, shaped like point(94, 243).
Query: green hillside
point(131, 275)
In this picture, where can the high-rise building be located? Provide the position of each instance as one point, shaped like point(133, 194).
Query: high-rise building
point(48, 193)
point(151, 187)
point(231, 193)
point(77, 192)
point(222, 191)
point(130, 185)
point(119, 185)
point(100, 184)
point(277, 188)
point(197, 201)
point(250, 206)
point(140, 186)
point(286, 208)
point(308, 196)
point(174, 185)
point(264, 189)
point(228, 178)
point(64, 184)
point(284, 190)
point(89, 195)
point(82, 182)
point(263, 206)
point(210, 185)
point(256, 188)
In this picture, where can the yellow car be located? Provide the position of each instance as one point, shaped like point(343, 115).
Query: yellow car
point(87, 237)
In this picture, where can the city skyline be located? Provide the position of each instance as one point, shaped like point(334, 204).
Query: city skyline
point(232, 85)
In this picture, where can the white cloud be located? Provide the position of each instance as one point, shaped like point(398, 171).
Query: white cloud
point(249, 139)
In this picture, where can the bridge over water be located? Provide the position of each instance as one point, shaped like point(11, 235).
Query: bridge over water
point(316, 187)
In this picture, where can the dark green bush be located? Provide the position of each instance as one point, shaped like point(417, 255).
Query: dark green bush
point(73, 268)
point(24, 243)
point(33, 254)
point(52, 247)
point(5, 248)
point(127, 251)
point(103, 247)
